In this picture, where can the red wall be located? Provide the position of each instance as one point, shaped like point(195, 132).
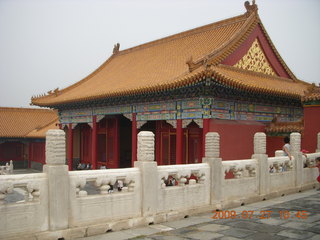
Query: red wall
point(236, 137)
point(37, 152)
point(11, 151)
point(274, 144)
point(311, 128)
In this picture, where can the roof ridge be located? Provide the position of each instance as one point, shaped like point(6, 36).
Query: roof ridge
point(77, 83)
point(283, 63)
point(186, 33)
point(20, 109)
point(41, 127)
point(236, 40)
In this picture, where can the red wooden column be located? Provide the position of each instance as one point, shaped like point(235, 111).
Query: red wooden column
point(179, 141)
point(206, 124)
point(70, 146)
point(94, 143)
point(116, 143)
point(26, 147)
point(134, 139)
point(158, 142)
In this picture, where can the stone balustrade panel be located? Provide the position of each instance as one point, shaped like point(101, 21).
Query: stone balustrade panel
point(282, 176)
point(23, 204)
point(245, 181)
point(280, 164)
point(104, 195)
point(241, 168)
point(310, 172)
point(309, 159)
point(191, 187)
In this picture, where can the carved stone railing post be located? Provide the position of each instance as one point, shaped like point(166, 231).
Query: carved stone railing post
point(295, 143)
point(212, 157)
point(58, 179)
point(260, 146)
point(318, 143)
point(149, 173)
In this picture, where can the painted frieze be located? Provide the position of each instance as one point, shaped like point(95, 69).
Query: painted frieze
point(149, 116)
point(156, 107)
point(112, 110)
point(199, 108)
point(191, 104)
point(229, 110)
point(191, 114)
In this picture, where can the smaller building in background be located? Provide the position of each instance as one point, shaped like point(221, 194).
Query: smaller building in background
point(22, 135)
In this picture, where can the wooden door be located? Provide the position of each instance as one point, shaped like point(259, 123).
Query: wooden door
point(195, 146)
point(86, 144)
point(112, 143)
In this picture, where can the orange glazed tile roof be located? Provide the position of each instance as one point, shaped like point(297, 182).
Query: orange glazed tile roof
point(312, 93)
point(172, 62)
point(26, 122)
point(285, 127)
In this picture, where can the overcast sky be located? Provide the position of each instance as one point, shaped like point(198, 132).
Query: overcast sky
point(48, 44)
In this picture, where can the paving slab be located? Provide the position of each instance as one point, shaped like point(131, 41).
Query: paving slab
point(213, 227)
point(298, 225)
point(161, 237)
point(183, 223)
point(315, 237)
point(202, 235)
point(315, 229)
point(313, 217)
point(273, 221)
point(258, 227)
point(161, 228)
point(265, 236)
point(229, 238)
point(111, 236)
point(238, 232)
point(296, 234)
point(180, 231)
point(141, 231)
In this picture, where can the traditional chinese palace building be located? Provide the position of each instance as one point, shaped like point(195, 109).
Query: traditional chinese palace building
point(226, 77)
point(22, 135)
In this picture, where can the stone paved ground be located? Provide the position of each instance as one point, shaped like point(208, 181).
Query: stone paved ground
point(266, 222)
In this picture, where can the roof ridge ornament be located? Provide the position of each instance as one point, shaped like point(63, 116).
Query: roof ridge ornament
point(191, 64)
point(313, 88)
point(312, 93)
point(251, 7)
point(116, 48)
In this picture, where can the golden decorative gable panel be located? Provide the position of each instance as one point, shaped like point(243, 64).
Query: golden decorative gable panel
point(255, 60)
